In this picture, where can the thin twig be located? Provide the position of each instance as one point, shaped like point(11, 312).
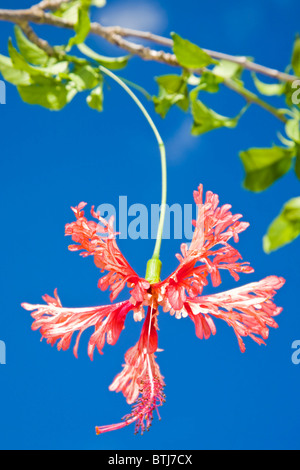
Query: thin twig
point(254, 99)
point(33, 37)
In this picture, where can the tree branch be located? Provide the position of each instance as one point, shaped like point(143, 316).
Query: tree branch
point(38, 16)
point(116, 35)
point(243, 61)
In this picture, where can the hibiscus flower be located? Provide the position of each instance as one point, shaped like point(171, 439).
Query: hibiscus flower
point(249, 310)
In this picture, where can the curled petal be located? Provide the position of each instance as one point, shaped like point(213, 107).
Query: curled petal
point(58, 324)
point(176, 295)
point(209, 251)
point(97, 238)
point(249, 310)
point(204, 325)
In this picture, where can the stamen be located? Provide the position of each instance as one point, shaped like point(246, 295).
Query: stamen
point(151, 398)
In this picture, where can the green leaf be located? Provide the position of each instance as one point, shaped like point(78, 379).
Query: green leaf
point(292, 94)
point(189, 55)
point(210, 82)
point(95, 99)
point(269, 89)
point(30, 51)
point(20, 63)
point(228, 69)
point(292, 129)
point(85, 77)
point(297, 163)
point(263, 166)
point(205, 119)
point(112, 63)
point(285, 228)
point(285, 141)
point(172, 90)
point(69, 11)
point(12, 75)
point(99, 3)
point(54, 69)
point(50, 94)
point(296, 56)
point(82, 26)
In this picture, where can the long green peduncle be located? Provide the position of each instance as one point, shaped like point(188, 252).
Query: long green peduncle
point(154, 264)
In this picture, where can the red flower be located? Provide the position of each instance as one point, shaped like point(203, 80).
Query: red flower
point(249, 310)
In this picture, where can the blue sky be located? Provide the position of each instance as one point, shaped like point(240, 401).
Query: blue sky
point(217, 398)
